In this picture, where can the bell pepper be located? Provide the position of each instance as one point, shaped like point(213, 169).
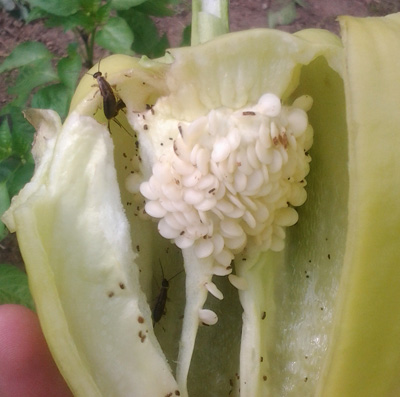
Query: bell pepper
point(262, 163)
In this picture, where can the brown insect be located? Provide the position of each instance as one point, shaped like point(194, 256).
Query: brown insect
point(111, 103)
point(161, 299)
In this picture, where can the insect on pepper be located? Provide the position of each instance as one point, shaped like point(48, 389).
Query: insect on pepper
point(111, 104)
point(161, 299)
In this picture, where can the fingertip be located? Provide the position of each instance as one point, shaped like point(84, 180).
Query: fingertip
point(26, 365)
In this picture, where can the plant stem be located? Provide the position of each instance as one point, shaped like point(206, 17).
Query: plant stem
point(210, 18)
point(91, 48)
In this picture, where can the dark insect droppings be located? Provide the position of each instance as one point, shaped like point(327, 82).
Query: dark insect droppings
point(263, 315)
point(142, 336)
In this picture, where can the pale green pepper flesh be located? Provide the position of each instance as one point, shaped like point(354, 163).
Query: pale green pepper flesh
point(330, 299)
point(368, 315)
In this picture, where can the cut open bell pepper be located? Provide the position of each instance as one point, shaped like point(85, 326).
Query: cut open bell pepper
point(311, 309)
point(364, 354)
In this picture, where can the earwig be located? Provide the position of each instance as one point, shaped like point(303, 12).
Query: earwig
point(161, 299)
point(111, 104)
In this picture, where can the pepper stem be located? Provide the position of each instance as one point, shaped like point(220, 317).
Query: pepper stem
point(210, 18)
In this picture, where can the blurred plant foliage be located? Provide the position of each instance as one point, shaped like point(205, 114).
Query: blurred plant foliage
point(39, 79)
point(14, 286)
point(283, 12)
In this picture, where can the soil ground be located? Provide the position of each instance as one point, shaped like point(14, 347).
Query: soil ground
point(244, 14)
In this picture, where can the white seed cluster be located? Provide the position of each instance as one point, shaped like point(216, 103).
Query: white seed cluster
point(231, 177)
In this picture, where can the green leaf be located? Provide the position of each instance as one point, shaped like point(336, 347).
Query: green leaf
point(186, 35)
point(125, 4)
point(79, 19)
point(83, 19)
point(283, 13)
point(57, 7)
point(14, 287)
point(156, 8)
point(36, 13)
point(103, 13)
point(301, 3)
point(25, 54)
point(4, 204)
point(21, 133)
point(161, 46)
point(69, 68)
point(15, 174)
point(5, 140)
point(147, 39)
point(116, 36)
point(31, 76)
point(20, 178)
point(90, 5)
point(7, 167)
point(55, 96)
